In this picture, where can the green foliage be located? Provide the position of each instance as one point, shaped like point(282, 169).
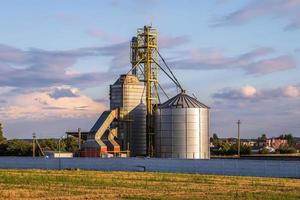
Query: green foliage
point(284, 148)
point(264, 151)
point(50, 144)
point(3, 147)
point(215, 140)
point(263, 137)
point(71, 145)
point(17, 148)
point(226, 148)
point(289, 137)
point(245, 150)
point(2, 138)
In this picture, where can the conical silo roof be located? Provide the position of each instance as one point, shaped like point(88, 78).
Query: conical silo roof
point(182, 100)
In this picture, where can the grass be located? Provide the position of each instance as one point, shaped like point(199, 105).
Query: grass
point(43, 184)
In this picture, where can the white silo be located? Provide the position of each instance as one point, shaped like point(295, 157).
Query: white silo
point(182, 128)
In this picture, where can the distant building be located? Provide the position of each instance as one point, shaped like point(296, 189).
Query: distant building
point(275, 142)
point(270, 149)
point(249, 143)
point(231, 140)
point(55, 154)
point(297, 146)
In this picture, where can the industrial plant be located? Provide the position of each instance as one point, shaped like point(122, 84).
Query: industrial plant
point(138, 123)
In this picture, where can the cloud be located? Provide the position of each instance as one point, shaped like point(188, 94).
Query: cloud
point(35, 68)
point(38, 68)
point(166, 41)
point(109, 37)
point(249, 92)
point(267, 66)
point(252, 62)
point(2, 101)
point(287, 9)
point(11, 54)
point(64, 91)
point(50, 103)
point(272, 111)
point(245, 92)
point(294, 24)
point(291, 91)
point(120, 52)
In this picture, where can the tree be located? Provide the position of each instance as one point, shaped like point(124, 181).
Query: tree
point(264, 151)
point(2, 138)
point(285, 148)
point(51, 144)
point(71, 145)
point(290, 139)
point(263, 137)
point(18, 148)
point(215, 140)
point(215, 136)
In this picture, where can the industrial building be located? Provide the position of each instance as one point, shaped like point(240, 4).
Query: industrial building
point(138, 123)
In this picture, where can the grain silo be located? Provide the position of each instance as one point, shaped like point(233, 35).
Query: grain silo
point(182, 128)
point(136, 121)
point(128, 94)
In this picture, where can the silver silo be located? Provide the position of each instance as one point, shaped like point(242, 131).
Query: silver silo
point(128, 94)
point(182, 128)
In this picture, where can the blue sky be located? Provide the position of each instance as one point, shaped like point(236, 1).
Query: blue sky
point(58, 57)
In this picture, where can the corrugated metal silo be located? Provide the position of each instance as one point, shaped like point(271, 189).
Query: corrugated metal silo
point(128, 94)
point(182, 128)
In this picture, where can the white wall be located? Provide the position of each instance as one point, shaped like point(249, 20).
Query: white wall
point(268, 168)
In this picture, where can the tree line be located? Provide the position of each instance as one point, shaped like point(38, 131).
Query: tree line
point(223, 147)
point(19, 147)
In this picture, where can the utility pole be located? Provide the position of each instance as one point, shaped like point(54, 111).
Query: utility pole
point(33, 144)
point(239, 141)
point(79, 140)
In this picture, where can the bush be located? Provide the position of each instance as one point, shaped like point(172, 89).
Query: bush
point(287, 149)
point(227, 149)
point(18, 148)
point(264, 151)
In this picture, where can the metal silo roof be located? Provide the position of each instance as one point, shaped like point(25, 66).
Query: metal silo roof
point(183, 100)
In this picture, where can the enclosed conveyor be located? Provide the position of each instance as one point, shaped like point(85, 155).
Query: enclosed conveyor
point(94, 145)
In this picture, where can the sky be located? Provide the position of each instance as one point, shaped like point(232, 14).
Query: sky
point(240, 57)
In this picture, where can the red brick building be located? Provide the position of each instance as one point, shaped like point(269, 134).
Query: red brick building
point(275, 142)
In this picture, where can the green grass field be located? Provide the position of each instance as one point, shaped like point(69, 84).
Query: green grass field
point(43, 184)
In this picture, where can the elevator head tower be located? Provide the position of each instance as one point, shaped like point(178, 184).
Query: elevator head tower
point(144, 55)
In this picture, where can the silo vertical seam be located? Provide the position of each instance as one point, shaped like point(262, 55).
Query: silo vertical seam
point(186, 145)
point(208, 142)
point(200, 134)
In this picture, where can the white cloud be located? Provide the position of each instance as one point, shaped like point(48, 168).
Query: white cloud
point(256, 61)
point(291, 91)
point(272, 111)
point(285, 9)
point(39, 105)
point(248, 91)
point(254, 94)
